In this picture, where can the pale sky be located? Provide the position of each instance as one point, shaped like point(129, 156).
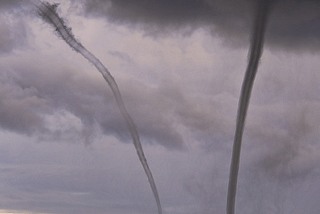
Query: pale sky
point(179, 64)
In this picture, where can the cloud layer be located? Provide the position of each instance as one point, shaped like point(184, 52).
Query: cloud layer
point(294, 24)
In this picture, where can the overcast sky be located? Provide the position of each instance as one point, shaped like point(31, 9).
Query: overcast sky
point(179, 64)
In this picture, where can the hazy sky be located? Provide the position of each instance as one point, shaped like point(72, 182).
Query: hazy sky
point(179, 64)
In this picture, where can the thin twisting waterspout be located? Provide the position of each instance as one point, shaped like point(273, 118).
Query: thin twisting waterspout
point(256, 47)
point(48, 12)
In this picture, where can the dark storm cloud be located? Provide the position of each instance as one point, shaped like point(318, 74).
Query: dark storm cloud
point(160, 17)
point(293, 23)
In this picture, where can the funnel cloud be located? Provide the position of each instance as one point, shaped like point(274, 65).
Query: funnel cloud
point(256, 47)
point(48, 12)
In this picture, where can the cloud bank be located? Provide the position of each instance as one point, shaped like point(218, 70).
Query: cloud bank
point(293, 25)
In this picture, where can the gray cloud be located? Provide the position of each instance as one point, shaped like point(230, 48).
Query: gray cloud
point(13, 32)
point(18, 106)
point(294, 24)
point(162, 17)
point(7, 5)
point(26, 102)
point(290, 146)
point(40, 99)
